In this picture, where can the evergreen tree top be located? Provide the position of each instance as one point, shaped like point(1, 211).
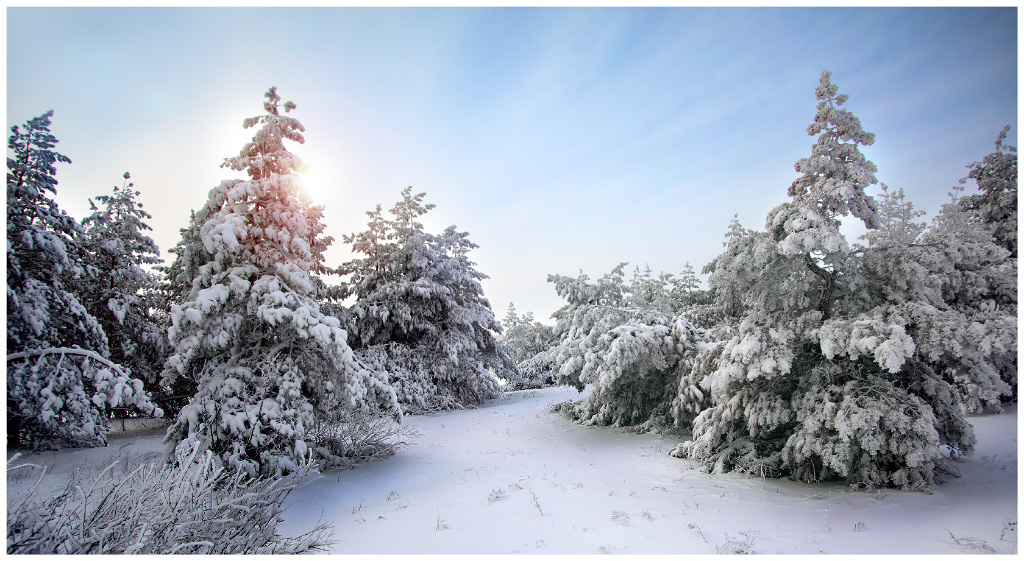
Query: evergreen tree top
point(836, 173)
point(266, 154)
point(33, 164)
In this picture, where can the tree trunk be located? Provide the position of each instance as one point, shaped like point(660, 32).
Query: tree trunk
point(13, 427)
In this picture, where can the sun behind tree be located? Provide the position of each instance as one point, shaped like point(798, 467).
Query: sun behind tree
point(250, 332)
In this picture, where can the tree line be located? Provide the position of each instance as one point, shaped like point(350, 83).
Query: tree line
point(806, 356)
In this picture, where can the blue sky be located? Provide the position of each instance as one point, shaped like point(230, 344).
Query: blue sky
point(560, 139)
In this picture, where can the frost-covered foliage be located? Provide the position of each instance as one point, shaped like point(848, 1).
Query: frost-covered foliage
point(52, 392)
point(420, 313)
point(118, 291)
point(953, 288)
point(535, 372)
point(527, 341)
point(525, 335)
point(175, 288)
point(822, 378)
point(346, 436)
point(192, 506)
point(189, 256)
point(836, 172)
point(996, 204)
point(250, 332)
point(42, 250)
point(632, 341)
point(66, 395)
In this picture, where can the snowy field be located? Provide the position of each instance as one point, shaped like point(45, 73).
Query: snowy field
point(510, 477)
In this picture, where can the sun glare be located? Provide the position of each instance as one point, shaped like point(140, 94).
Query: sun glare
point(313, 183)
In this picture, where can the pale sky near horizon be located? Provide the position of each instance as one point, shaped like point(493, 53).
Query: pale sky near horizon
point(560, 139)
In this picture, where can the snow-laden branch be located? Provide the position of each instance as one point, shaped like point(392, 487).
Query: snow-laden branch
point(64, 351)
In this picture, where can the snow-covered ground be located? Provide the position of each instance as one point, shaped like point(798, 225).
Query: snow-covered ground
point(510, 477)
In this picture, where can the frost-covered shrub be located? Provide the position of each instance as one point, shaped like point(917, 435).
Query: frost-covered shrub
point(192, 506)
point(346, 437)
point(527, 343)
point(420, 311)
point(65, 395)
point(250, 333)
point(535, 372)
point(525, 336)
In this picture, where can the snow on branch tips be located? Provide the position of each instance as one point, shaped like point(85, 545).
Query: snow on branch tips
point(65, 394)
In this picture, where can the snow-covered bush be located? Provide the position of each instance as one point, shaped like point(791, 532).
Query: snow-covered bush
point(822, 377)
point(525, 335)
point(535, 372)
point(118, 291)
point(250, 333)
point(420, 313)
point(345, 437)
point(192, 506)
point(631, 341)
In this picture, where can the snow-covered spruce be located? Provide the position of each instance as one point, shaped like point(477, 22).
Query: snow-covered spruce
point(117, 290)
point(191, 506)
point(420, 313)
point(526, 342)
point(250, 333)
point(175, 289)
point(633, 342)
point(525, 335)
point(996, 204)
point(60, 384)
point(820, 381)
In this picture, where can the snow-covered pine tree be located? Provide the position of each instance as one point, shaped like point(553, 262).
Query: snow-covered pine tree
point(526, 342)
point(250, 333)
point(119, 292)
point(717, 310)
point(175, 287)
point(955, 290)
point(420, 312)
point(59, 381)
point(631, 341)
point(996, 204)
point(820, 380)
point(189, 255)
point(978, 277)
point(525, 335)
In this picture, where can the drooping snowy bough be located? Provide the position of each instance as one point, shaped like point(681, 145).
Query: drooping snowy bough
point(266, 360)
point(66, 394)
